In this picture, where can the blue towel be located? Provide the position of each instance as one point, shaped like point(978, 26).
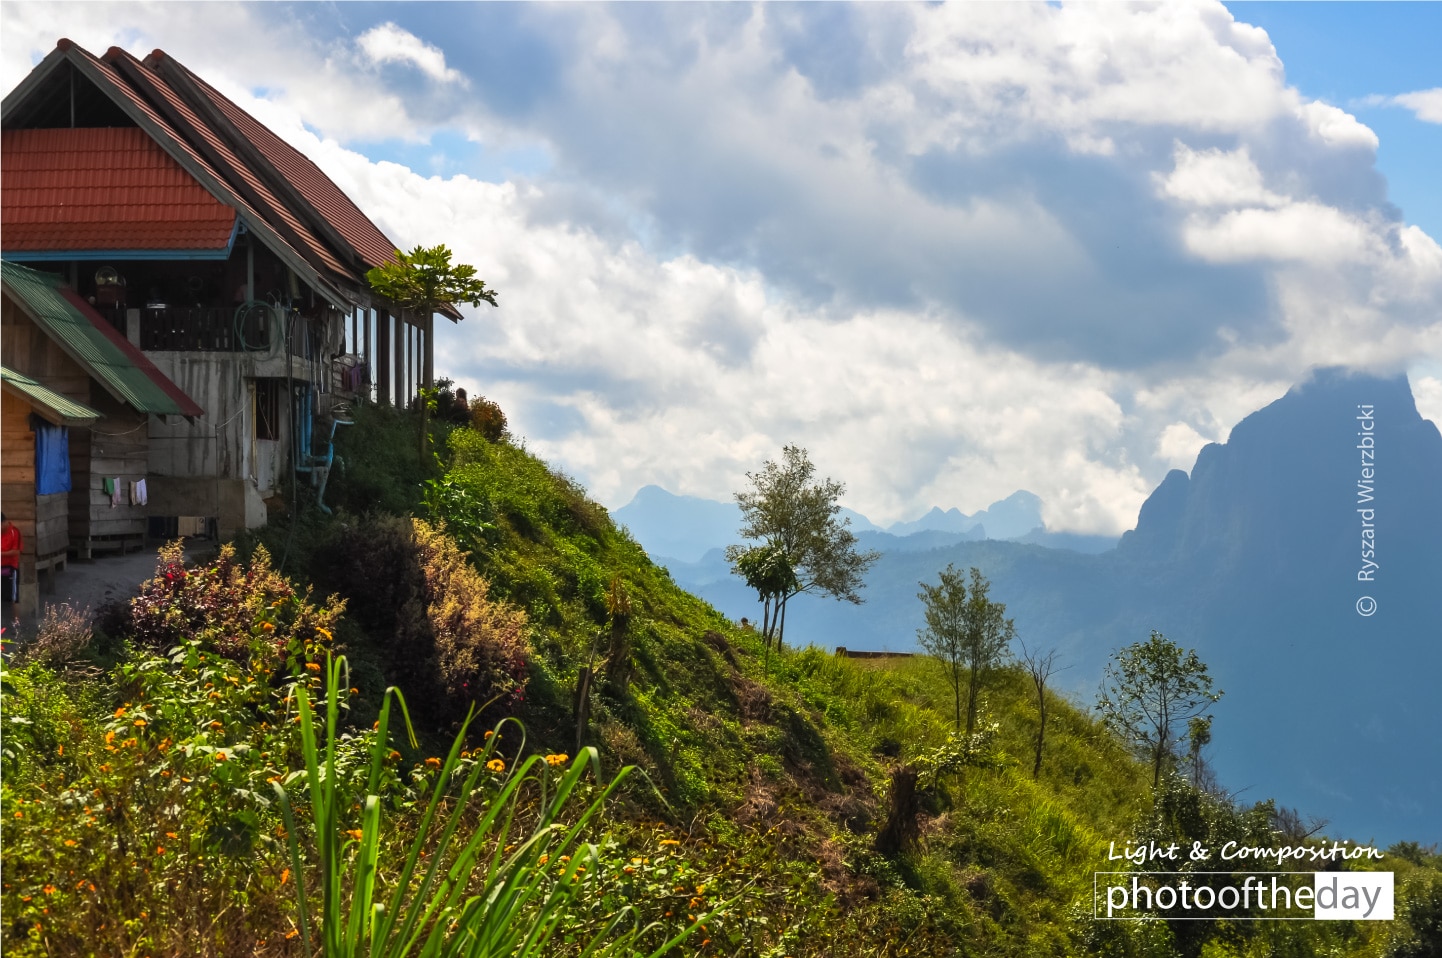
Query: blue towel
point(52, 459)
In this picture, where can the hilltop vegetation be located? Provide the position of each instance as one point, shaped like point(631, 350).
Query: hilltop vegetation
point(138, 817)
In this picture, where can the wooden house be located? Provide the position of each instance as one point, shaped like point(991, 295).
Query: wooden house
point(39, 509)
point(52, 338)
point(222, 254)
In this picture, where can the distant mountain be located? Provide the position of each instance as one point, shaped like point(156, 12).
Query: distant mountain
point(680, 527)
point(1009, 518)
point(1252, 559)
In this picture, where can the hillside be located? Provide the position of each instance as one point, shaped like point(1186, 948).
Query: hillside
point(1252, 558)
point(772, 774)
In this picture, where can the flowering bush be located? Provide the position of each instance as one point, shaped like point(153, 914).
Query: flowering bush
point(241, 611)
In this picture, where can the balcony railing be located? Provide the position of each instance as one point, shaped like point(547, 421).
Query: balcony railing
point(204, 329)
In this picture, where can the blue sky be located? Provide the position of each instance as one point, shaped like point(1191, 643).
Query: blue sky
point(953, 250)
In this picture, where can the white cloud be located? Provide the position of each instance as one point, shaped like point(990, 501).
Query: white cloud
point(1216, 178)
point(1336, 127)
point(1427, 104)
point(389, 43)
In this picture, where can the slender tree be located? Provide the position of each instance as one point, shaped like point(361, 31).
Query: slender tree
point(1149, 691)
point(966, 631)
point(1039, 666)
point(789, 511)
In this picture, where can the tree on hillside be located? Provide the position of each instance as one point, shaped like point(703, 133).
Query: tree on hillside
point(966, 631)
point(1039, 666)
point(767, 569)
point(424, 281)
point(1150, 691)
point(788, 511)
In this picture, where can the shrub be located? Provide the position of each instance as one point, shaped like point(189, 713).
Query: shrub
point(444, 639)
point(488, 419)
point(239, 610)
point(63, 633)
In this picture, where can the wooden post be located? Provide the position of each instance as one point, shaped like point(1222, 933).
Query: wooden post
point(398, 361)
point(383, 356)
point(428, 352)
point(581, 707)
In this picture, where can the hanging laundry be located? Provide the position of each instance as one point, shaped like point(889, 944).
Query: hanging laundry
point(138, 496)
point(52, 458)
point(117, 491)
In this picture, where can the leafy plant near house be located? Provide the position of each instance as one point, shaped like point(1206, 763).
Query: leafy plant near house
point(481, 886)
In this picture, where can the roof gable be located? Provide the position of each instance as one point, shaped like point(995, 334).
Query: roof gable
point(101, 190)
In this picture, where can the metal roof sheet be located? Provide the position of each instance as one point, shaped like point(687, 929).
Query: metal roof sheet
point(92, 342)
point(107, 188)
point(61, 410)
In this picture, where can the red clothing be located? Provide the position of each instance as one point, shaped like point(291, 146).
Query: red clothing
point(10, 542)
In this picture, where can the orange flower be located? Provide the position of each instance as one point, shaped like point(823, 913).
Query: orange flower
point(554, 760)
point(221, 756)
point(355, 833)
point(49, 889)
point(140, 723)
point(171, 835)
point(433, 763)
point(120, 711)
point(285, 876)
point(160, 849)
point(496, 765)
point(69, 843)
point(313, 666)
point(267, 627)
point(109, 737)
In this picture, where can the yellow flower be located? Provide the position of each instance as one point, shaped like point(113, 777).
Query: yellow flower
point(496, 765)
point(325, 632)
point(220, 756)
point(267, 626)
point(355, 833)
point(140, 723)
point(669, 841)
point(313, 666)
point(554, 760)
point(109, 737)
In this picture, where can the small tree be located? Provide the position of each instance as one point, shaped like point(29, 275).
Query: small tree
point(1039, 666)
point(966, 631)
point(767, 570)
point(787, 509)
point(424, 281)
point(1150, 690)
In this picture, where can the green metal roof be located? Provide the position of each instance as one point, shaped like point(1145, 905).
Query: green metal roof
point(121, 368)
point(61, 410)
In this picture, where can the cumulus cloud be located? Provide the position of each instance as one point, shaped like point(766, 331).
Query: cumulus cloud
point(388, 43)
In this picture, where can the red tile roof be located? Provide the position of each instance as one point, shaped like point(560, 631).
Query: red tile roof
point(235, 169)
point(103, 189)
point(363, 236)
